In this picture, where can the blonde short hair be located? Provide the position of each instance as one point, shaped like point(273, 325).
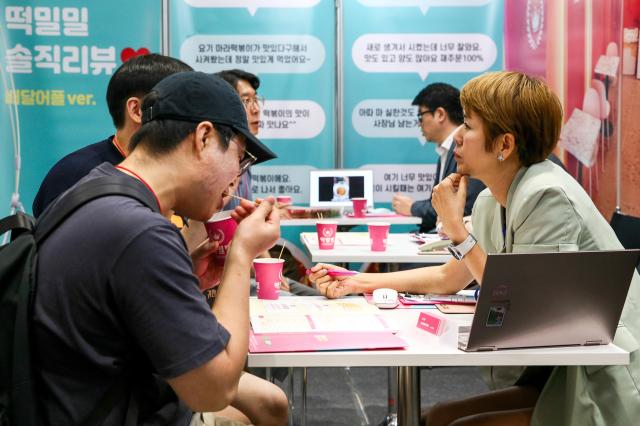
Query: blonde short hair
point(513, 102)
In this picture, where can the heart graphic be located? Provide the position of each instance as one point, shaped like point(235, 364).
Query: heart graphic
point(128, 53)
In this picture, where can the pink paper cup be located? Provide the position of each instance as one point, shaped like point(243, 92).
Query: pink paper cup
point(378, 233)
point(359, 207)
point(268, 277)
point(221, 228)
point(283, 199)
point(326, 234)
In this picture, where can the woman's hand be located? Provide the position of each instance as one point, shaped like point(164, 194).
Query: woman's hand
point(448, 198)
point(332, 287)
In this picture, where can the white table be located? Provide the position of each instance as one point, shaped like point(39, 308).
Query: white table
point(354, 221)
point(425, 349)
point(356, 247)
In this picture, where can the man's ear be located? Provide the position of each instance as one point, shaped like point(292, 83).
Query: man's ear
point(440, 115)
point(134, 109)
point(203, 135)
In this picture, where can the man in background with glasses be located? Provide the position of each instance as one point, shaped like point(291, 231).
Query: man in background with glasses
point(246, 84)
point(439, 115)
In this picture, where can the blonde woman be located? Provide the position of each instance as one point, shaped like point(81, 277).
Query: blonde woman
point(511, 124)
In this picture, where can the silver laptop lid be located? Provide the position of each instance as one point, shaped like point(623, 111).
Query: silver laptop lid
point(551, 299)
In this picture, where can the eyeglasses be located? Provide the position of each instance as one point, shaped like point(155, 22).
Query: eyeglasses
point(247, 158)
point(257, 101)
point(421, 113)
point(229, 135)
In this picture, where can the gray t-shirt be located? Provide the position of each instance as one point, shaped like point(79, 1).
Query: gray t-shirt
point(117, 298)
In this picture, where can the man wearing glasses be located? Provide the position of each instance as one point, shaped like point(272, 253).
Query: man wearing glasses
point(118, 303)
point(439, 115)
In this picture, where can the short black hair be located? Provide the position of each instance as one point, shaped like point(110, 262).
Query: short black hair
point(233, 76)
point(161, 136)
point(441, 95)
point(136, 77)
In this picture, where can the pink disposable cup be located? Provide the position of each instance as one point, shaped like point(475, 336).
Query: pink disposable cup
point(378, 233)
point(326, 234)
point(268, 277)
point(221, 228)
point(283, 199)
point(359, 207)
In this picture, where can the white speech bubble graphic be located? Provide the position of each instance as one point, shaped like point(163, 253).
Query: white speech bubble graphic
point(424, 53)
point(253, 5)
point(423, 5)
point(281, 180)
point(272, 54)
point(387, 118)
point(414, 180)
point(281, 119)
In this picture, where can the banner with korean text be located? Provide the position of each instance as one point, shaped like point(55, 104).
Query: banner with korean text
point(393, 49)
point(289, 45)
point(57, 57)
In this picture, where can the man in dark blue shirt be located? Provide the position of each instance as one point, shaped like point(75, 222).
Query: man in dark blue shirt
point(117, 298)
point(128, 85)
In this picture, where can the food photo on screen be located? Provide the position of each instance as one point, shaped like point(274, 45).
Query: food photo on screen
point(340, 188)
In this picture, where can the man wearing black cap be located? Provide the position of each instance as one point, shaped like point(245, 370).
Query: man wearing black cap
point(118, 297)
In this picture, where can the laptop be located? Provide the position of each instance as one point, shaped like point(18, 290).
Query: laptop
point(550, 299)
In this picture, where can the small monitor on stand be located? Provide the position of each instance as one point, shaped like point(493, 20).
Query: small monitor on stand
point(336, 188)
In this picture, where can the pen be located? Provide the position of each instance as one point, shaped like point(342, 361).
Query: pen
point(337, 273)
point(340, 273)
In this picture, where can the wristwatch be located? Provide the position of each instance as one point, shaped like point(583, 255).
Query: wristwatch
point(463, 248)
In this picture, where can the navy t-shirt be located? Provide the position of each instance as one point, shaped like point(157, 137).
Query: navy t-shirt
point(117, 298)
point(69, 170)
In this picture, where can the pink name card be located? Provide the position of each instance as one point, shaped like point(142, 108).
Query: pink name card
point(431, 323)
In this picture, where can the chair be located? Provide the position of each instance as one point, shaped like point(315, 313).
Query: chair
point(627, 229)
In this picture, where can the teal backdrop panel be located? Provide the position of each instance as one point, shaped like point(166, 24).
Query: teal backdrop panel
point(291, 47)
point(393, 49)
point(56, 58)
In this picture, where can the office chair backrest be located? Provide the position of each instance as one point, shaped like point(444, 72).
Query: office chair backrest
point(627, 229)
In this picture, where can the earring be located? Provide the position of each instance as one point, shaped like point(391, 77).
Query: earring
point(500, 157)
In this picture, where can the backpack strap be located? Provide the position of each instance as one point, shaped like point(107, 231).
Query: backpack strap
point(64, 207)
point(90, 190)
point(17, 224)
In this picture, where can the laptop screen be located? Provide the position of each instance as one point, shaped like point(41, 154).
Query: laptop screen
point(336, 188)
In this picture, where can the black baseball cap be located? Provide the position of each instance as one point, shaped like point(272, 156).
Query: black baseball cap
point(195, 96)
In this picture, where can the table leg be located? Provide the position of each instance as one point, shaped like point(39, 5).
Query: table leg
point(291, 395)
point(304, 397)
point(392, 397)
point(408, 396)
